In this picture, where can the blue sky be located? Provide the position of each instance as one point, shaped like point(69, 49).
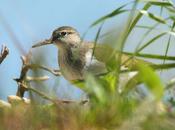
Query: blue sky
point(32, 21)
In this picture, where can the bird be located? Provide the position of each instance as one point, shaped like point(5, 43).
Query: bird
point(77, 58)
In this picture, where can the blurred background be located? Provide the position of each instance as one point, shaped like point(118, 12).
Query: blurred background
point(23, 23)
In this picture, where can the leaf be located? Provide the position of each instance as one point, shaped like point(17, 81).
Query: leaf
point(151, 79)
point(161, 3)
point(110, 81)
point(96, 40)
point(168, 44)
point(150, 41)
point(131, 84)
point(134, 81)
point(145, 27)
point(152, 16)
point(157, 3)
point(145, 35)
point(154, 39)
point(170, 9)
point(151, 56)
point(95, 90)
point(112, 14)
point(137, 18)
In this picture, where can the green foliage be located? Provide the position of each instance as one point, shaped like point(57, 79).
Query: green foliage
point(151, 79)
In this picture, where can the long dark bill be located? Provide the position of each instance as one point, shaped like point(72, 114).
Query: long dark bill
point(42, 43)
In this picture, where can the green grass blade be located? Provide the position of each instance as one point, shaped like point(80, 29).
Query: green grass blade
point(168, 44)
point(170, 9)
point(158, 3)
point(154, 39)
point(123, 37)
point(145, 27)
point(150, 41)
point(146, 34)
point(163, 66)
point(152, 56)
point(152, 80)
point(137, 18)
point(110, 15)
point(147, 76)
point(153, 16)
point(96, 39)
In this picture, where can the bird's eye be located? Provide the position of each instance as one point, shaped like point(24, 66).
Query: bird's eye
point(63, 34)
point(58, 35)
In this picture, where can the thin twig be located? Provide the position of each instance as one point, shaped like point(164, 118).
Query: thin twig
point(26, 66)
point(43, 78)
point(4, 53)
point(35, 66)
point(55, 101)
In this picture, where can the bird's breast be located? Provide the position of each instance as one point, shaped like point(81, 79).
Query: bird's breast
point(71, 67)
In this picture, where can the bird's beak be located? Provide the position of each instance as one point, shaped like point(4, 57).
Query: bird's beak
point(42, 43)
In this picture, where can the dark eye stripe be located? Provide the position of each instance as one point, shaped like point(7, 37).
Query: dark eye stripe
point(63, 33)
point(60, 35)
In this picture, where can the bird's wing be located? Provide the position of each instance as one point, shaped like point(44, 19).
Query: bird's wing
point(93, 65)
point(103, 53)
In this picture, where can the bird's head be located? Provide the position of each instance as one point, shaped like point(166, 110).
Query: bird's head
point(64, 36)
